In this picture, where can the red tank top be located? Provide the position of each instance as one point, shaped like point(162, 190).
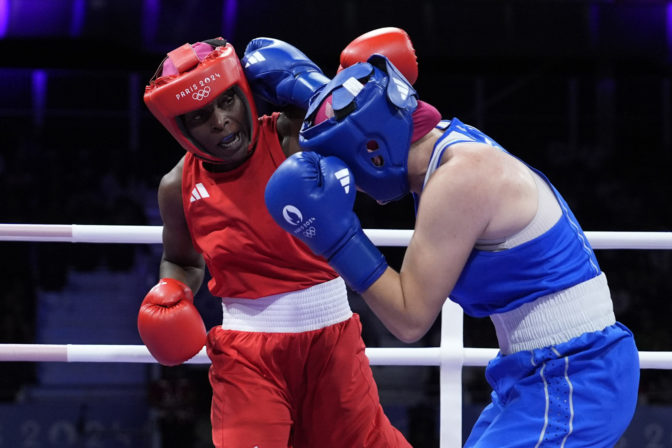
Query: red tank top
point(247, 253)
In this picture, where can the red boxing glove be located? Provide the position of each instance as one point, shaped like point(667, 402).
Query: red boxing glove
point(391, 42)
point(169, 324)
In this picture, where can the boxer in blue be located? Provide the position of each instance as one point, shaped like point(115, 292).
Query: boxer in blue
point(492, 234)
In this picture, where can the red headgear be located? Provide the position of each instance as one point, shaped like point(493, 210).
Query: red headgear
point(191, 81)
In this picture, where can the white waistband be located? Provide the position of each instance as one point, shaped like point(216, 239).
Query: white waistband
point(556, 318)
point(294, 312)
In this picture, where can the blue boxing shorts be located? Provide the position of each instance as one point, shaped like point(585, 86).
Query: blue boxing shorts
point(581, 393)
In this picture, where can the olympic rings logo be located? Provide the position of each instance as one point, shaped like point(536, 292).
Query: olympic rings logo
point(310, 232)
point(201, 94)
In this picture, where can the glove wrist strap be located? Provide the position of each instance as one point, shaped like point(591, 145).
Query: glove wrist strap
point(305, 86)
point(359, 262)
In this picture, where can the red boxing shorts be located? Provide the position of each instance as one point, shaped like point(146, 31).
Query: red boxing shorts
point(307, 389)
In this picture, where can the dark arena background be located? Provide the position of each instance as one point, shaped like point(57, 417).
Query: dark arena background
point(581, 89)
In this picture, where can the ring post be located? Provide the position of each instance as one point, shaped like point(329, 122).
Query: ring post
point(452, 360)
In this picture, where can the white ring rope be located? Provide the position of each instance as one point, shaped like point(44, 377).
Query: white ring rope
point(80, 233)
point(390, 356)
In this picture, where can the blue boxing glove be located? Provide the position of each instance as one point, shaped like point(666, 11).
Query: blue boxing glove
point(311, 197)
point(280, 73)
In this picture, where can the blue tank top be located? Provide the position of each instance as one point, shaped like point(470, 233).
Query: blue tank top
point(494, 282)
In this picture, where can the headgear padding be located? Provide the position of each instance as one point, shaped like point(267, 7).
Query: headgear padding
point(200, 49)
point(191, 77)
point(371, 126)
point(425, 117)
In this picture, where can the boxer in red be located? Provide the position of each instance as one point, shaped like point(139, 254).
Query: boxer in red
point(288, 362)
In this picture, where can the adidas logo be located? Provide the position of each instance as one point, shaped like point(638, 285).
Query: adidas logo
point(199, 192)
point(353, 86)
point(254, 58)
point(401, 87)
point(344, 176)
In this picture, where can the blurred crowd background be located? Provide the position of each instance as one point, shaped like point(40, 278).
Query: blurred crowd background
point(581, 89)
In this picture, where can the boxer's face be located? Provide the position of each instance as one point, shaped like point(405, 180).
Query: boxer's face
point(221, 128)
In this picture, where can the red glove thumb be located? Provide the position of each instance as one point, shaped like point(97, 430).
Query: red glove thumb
point(393, 43)
point(169, 324)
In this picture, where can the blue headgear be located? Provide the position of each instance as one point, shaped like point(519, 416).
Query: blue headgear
point(371, 128)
